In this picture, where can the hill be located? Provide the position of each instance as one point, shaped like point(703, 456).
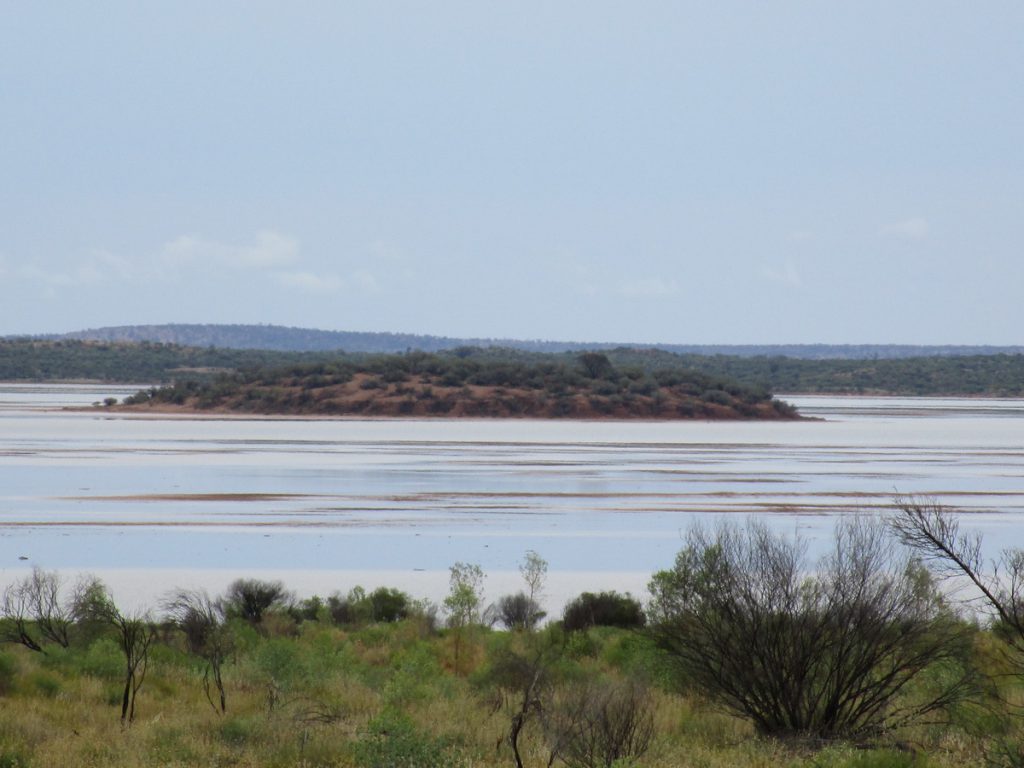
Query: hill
point(284, 339)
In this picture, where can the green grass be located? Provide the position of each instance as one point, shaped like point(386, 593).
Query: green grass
point(382, 695)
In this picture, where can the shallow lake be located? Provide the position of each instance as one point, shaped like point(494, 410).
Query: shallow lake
point(154, 503)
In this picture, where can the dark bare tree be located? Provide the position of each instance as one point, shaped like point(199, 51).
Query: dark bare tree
point(995, 589)
point(822, 650)
point(33, 607)
point(53, 615)
point(934, 533)
point(16, 616)
point(207, 635)
point(135, 635)
point(521, 683)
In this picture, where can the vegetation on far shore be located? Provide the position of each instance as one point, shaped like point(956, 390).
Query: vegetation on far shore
point(993, 375)
point(746, 653)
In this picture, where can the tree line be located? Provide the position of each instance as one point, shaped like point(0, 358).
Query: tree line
point(997, 375)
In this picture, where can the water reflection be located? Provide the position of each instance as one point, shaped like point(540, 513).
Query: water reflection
point(93, 490)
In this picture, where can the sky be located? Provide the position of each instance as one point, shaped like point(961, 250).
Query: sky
point(679, 172)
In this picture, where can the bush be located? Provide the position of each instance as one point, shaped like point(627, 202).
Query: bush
point(384, 604)
point(392, 741)
point(826, 655)
point(595, 725)
point(237, 731)
point(388, 604)
point(12, 757)
point(249, 599)
point(604, 609)
point(518, 611)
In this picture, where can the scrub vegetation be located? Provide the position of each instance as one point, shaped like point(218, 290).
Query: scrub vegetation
point(995, 375)
point(416, 384)
point(745, 653)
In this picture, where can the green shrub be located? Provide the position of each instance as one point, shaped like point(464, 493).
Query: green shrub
point(392, 741)
point(638, 657)
point(13, 757)
point(103, 659)
point(415, 671)
point(45, 683)
point(8, 673)
point(603, 609)
point(237, 731)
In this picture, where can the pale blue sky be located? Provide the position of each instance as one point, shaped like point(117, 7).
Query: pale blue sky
point(686, 172)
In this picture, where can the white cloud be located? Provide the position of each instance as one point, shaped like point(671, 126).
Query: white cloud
point(915, 228)
point(787, 273)
point(270, 249)
point(310, 282)
point(266, 257)
point(801, 235)
point(93, 268)
point(648, 287)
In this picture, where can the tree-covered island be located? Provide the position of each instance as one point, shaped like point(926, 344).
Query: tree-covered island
point(587, 386)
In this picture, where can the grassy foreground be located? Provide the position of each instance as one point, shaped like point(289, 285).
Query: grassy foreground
point(390, 694)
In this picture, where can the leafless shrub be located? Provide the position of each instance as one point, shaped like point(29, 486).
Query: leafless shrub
point(16, 617)
point(822, 652)
point(34, 605)
point(597, 725)
point(53, 615)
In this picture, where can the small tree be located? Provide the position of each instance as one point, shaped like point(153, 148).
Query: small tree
point(203, 622)
point(135, 634)
point(89, 608)
point(995, 588)
point(34, 605)
point(16, 616)
point(465, 596)
point(934, 533)
point(597, 365)
point(534, 570)
point(522, 687)
point(823, 651)
point(53, 616)
point(249, 599)
point(518, 612)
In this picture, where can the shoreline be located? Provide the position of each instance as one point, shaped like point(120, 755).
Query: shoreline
point(171, 412)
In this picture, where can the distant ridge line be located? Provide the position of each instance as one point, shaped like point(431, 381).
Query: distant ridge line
point(290, 339)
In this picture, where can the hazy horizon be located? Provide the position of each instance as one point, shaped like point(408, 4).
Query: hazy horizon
point(551, 340)
point(663, 173)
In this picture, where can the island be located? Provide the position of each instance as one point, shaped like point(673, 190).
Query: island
point(453, 385)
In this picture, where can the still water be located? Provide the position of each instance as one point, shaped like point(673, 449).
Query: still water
point(153, 503)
